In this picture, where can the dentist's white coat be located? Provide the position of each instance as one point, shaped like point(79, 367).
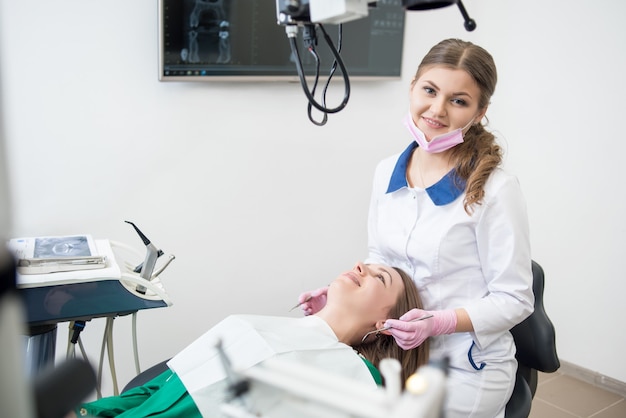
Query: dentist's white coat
point(481, 263)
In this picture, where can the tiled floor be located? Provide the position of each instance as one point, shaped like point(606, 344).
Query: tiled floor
point(562, 396)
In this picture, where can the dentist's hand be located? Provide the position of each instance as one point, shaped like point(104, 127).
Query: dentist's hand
point(411, 334)
point(312, 302)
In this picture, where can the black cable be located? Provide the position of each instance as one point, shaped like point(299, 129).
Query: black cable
point(316, 57)
point(77, 328)
point(309, 39)
point(330, 76)
point(305, 88)
point(337, 61)
point(334, 66)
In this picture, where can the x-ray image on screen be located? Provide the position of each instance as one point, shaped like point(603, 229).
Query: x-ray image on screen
point(208, 40)
point(207, 27)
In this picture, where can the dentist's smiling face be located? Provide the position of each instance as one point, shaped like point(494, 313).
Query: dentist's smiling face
point(443, 99)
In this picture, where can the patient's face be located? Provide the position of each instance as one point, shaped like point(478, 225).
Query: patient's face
point(370, 290)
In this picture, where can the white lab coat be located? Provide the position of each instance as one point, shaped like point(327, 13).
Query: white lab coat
point(480, 262)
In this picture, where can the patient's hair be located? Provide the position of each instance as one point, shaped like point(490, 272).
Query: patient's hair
point(384, 346)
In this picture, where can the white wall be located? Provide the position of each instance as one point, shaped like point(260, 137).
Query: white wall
point(258, 204)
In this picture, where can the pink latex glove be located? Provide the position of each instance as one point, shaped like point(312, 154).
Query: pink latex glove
point(411, 334)
point(312, 302)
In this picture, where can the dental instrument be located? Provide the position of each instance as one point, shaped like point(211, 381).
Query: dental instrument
point(386, 328)
point(159, 271)
point(139, 266)
point(301, 303)
point(152, 253)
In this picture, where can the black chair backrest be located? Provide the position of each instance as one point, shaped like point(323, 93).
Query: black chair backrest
point(535, 336)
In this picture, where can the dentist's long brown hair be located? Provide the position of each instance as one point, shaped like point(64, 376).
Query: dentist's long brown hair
point(479, 154)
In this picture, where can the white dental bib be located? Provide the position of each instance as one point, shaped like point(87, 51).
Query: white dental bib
point(249, 340)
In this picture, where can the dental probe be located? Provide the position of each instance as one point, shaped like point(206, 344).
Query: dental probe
point(299, 304)
point(159, 271)
point(386, 328)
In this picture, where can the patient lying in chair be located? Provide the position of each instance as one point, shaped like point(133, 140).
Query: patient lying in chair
point(359, 301)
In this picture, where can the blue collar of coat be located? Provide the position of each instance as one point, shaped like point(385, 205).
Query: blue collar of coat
point(445, 191)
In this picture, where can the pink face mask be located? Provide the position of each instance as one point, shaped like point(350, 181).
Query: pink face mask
point(439, 143)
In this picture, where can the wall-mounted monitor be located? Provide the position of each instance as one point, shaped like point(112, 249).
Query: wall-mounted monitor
point(213, 40)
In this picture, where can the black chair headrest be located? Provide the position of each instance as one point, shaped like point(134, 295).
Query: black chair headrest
point(535, 336)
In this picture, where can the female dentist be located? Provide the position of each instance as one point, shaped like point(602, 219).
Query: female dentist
point(445, 212)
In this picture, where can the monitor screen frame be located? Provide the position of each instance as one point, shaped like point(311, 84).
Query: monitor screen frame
point(393, 14)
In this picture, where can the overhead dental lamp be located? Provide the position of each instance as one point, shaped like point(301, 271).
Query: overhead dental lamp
point(313, 14)
point(470, 24)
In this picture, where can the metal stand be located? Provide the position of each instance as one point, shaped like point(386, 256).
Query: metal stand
point(40, 348)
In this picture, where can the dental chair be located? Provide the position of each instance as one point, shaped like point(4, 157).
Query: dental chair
point(146, 375)
point(536, 351)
